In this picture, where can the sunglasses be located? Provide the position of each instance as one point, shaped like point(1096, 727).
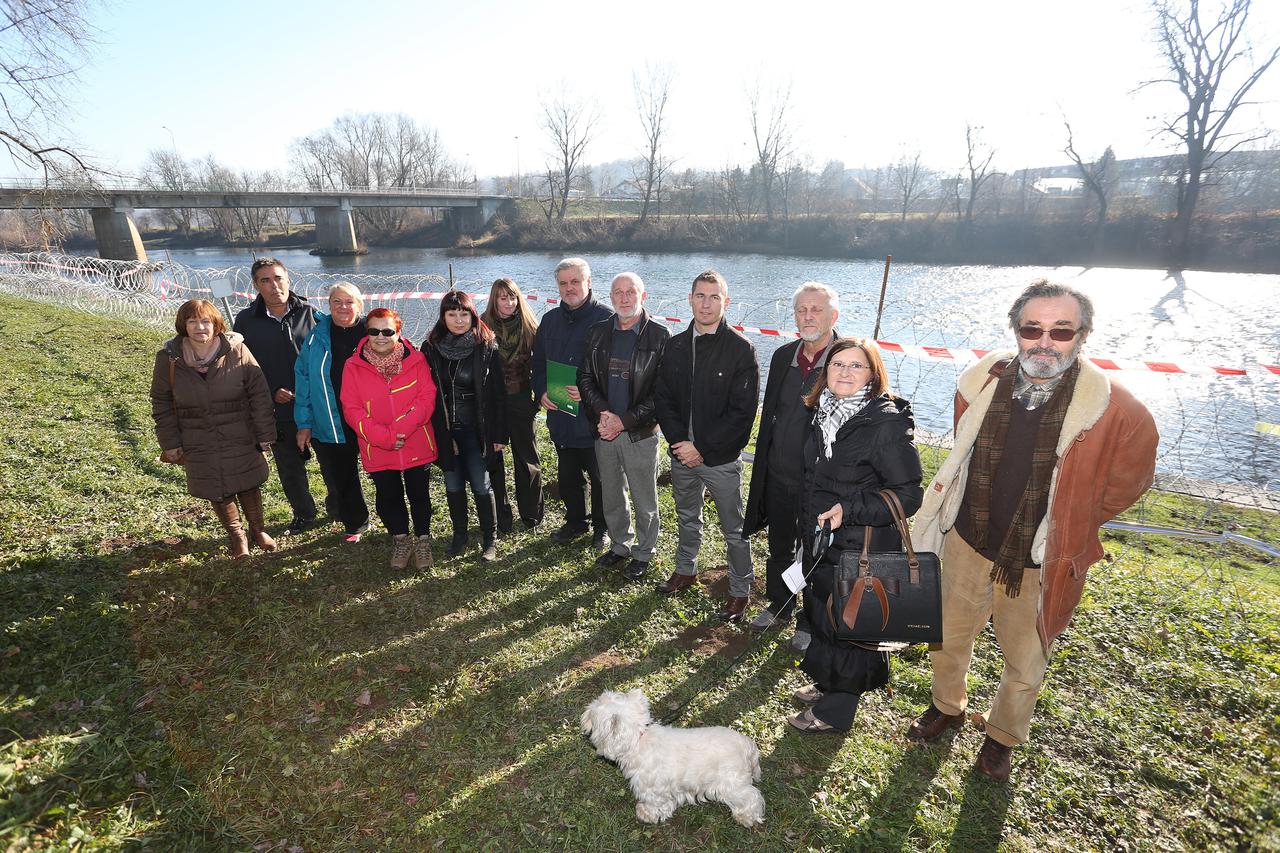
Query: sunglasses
point(1035, 333)
point(390, 333)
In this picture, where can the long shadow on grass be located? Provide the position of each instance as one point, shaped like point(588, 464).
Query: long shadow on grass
point(891, 817)
point(980, 825)
point(80, 707)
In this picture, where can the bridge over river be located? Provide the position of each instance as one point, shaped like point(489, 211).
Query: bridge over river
point(117, 233)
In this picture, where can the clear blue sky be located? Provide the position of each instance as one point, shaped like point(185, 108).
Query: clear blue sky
point(241, 80)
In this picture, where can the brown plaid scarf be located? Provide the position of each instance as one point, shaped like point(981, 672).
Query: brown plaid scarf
point(1016, 547)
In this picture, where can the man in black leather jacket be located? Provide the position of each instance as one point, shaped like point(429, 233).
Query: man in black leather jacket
point(706, 397)
point(616, 380)
point(275, 325)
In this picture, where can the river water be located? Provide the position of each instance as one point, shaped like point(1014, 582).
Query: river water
point(1208, 423)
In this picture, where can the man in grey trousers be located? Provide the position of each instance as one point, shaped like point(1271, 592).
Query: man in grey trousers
point(706, 397)
point(616, 380)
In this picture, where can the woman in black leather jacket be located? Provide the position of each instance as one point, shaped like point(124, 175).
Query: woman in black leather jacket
point(464, 360)
point(861, 441)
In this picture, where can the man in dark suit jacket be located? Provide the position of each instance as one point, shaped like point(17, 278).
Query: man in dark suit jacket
point(776, 478)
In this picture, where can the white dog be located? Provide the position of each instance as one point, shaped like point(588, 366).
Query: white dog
point(670, 767)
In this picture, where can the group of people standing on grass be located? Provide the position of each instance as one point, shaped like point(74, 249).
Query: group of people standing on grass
point(1047, 449)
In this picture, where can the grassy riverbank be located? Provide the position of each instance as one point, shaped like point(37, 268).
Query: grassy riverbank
point(154, 694)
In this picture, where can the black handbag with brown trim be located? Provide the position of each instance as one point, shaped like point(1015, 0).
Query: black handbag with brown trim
point(887, 596)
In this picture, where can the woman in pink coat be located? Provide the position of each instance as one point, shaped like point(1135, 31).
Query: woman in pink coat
point(388, 397)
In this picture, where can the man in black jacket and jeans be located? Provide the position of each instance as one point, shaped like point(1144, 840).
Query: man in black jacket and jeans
point(274, 326)
point(777, 477)
point(706, 397)
point(616, 380)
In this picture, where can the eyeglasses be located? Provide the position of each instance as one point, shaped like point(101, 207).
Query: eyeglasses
point(390, 333)
point(847, 366)
point(1059, 334)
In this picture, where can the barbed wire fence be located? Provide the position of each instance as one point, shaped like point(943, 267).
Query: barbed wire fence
point(1201, 430)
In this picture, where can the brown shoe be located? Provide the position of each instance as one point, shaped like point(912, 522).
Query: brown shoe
point(401, 550)
point(251, 501)
point(930, 725)
point(422, 558)
point(675, 583)
point(734, 605)
point(229, 514)
point(994, 760)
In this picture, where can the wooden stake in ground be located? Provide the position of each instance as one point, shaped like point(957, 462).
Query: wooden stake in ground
point(884, 285)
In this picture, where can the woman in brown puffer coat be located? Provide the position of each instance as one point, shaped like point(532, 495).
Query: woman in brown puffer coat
point(214, 415)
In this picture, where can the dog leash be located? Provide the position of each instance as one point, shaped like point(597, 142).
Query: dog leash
point(816, 552)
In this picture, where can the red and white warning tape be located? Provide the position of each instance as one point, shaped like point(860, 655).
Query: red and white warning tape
point(958, 355)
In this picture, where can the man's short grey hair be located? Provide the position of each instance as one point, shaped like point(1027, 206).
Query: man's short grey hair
point(1043, 288)
point(629, 276)
point(350, 290)
point(574, 264)
point(833, 298)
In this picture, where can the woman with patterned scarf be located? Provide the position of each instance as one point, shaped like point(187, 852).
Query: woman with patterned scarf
point(861, 441)
point(214, 416)
point(464, 359)
point(509, 315)
point(388, 399)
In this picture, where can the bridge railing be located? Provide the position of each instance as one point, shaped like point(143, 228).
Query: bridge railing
point(129, 185)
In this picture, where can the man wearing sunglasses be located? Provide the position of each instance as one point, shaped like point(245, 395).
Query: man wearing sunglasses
point(1047, 449)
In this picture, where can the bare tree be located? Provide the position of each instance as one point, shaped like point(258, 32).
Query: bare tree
point(978, 157)
point(1099, 177)
point(164, 169)
point(43, 44)
point(1210, 67)
point(908, 176)
point(570, 124)
point(652, 94)
point(771, 133)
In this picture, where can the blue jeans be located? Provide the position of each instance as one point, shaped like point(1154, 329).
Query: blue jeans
point(468, 463)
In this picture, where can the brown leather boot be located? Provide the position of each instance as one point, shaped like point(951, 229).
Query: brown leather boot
point(930, 725)
point(251, 501)
point(675, 583)
point(995, 760)
point(734, 605)
point(229, 514)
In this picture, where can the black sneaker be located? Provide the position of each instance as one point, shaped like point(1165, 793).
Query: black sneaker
point(570, 532)
point(610, 560)
point(635, 570)
point(298, 525)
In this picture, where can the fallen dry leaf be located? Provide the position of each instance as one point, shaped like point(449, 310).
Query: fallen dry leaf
point(359, 672)
point(410, 798)
point(364, 699)
point(402, 667)
point(334, 788)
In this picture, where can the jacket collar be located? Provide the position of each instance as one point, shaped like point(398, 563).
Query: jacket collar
point(290, 305)
point(1088, 404)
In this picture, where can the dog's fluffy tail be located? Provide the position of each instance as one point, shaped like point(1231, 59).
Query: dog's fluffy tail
point(753, 757)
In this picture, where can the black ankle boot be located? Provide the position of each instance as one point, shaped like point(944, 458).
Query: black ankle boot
point(488, 526)
point(457, 515)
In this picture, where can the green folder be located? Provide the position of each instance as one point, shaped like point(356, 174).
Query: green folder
point(559, 377)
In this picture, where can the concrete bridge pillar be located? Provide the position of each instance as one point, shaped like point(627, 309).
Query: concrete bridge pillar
point(472, 220)
point(117, 234)
point(335, 232)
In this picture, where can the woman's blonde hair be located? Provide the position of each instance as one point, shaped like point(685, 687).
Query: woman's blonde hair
point(528, 323)
point(352, 291)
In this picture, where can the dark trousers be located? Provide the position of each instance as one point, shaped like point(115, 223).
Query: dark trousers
point(391, 488)
point(781, 502)
point(340, 467)
point(837, 709)
point(291, 466)
point(577, 465)
point(525, 464)
point(468, 462)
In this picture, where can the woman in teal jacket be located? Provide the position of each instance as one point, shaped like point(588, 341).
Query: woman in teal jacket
point(317, 384)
